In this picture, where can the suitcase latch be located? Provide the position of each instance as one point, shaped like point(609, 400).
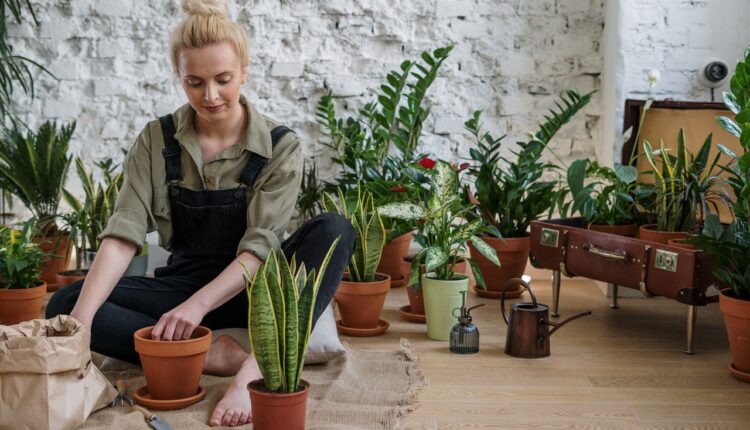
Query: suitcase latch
point(666, 260)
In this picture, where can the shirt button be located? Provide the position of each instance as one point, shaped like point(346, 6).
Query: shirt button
point(209, 181)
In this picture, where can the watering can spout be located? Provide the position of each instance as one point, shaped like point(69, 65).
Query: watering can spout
point(556, 325)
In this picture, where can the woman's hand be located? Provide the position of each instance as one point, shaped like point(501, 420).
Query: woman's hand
point(179, 323)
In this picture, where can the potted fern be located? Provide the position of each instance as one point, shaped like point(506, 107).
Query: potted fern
point(21, 290)
point(443, 245)
point(34, 167)
point(511, 193)
point(361, 294)
point(282, 298)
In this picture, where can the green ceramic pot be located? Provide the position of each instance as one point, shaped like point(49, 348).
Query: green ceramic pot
point(440, 298)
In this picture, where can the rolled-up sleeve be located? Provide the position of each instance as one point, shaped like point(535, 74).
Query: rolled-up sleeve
point(271, 206)
point(132, 216)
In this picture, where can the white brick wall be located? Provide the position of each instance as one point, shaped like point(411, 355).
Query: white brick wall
point(512, 58)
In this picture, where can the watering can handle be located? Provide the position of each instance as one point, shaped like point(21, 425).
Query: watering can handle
point(510, 282)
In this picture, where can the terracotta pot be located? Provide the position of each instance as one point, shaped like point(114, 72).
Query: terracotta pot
point(680, 243)
point(59, 248)
point(416, 299)
point(390, 258)
point(172, 368)
point(272, 411)
point(649, 232)
point(69, 276)
point(629, 230)
point(360, 303)
point(737, 320)
point(21, 304)
point(513, 253)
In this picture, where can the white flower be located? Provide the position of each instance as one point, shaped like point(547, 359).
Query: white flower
point(653, 76)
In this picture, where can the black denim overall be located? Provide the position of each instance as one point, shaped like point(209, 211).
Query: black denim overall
point(207, 228)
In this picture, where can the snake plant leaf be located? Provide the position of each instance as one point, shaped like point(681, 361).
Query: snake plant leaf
point(477, 274)
point(487, 251)
point(329, 203)
point(626, 173)
point(273, 280)
point(264, 331)
point(403, 211)
point(434, 258)
point(374, 242)
point(729, 125)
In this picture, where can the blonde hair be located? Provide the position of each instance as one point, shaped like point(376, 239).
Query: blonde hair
point(207, 23)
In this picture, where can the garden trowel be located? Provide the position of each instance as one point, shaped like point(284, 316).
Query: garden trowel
point(153, 420)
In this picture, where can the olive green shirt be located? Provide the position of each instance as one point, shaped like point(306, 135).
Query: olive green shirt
point(143, 203)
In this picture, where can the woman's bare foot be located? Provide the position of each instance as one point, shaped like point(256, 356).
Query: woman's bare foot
point(225, 357)
point(234, 408)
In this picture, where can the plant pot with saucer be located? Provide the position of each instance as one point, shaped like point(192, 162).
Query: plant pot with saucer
point(390, 261)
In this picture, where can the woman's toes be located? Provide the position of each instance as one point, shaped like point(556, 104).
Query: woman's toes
point(216, 417)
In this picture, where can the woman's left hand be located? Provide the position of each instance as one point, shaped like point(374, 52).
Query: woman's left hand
point(179, 323)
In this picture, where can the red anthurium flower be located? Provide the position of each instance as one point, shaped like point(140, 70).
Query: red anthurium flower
point(463, 166)
point(398, 189)
point(427, 162)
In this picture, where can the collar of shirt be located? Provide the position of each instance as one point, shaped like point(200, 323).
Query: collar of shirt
point(257, 136)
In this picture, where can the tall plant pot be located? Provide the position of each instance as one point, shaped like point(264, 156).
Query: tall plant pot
point(390, 259)
point(21, 304)
point(59, 248)
point(650, 233)
point(273, 411)
point(513, 253)
point(737, 320)
point(416, 298)
point(172, 368)
point(360, 303)
point(440, 298)
point(628, 230)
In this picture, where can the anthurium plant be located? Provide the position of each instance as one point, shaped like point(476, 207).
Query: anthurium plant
point(282, 299)
point(20, 258)
point(441, 231)
point(358, 207)
point(510, 193)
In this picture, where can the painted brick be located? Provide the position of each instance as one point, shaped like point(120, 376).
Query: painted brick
point(452, 8)
point(113, 7)
point(287, 69)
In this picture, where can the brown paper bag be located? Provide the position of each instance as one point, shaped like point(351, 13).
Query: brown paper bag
point(47, 378)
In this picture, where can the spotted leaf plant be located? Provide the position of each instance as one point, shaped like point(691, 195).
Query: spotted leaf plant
point(282, 299)
point(442, 230)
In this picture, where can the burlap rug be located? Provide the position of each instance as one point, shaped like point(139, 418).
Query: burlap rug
point(359, 390)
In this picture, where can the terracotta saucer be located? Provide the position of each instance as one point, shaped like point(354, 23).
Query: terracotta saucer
point(405, 312)
point(742, 376)
point(143, 397)
point(363, 332)
point(496, 294)
point(398, 282)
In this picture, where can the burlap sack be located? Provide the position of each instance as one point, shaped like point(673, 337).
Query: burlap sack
point(47, 379)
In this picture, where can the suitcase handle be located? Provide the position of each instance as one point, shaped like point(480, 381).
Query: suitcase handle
point(618, 255)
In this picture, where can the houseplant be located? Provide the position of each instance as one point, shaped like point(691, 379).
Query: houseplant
point(512, 193)
point(361, 294)
point(21, 290)
point(686, 188)
point(34, 167)
point(76, 223)
point(443, 244)
point(730, 247)
point(282, 299)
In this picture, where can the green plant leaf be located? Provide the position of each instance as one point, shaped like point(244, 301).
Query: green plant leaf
point(729, 125)
point(731, 102)
point(403, 211)
point(264, 331)
point(434, 258)
point(477, 274)
point(626, 173)
point(487, 251)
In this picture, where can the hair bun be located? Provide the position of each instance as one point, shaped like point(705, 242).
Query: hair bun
point(205, 7)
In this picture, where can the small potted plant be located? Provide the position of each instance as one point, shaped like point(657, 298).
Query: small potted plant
point(362, 291)
point(76, 223)
point(21, 290)
point(511, 193)
point(686, 188)
point(282, 299)
point(730, 247)
point(34, 168)
point(443, 243)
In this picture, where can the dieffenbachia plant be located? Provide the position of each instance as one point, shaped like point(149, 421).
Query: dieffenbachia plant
point(282, 300)
point(358, 207)
point(443, 242)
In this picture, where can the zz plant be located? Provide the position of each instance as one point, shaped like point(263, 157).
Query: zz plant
point(359, 208)
point(20, 258)
point(443, 242)
point(282, 300)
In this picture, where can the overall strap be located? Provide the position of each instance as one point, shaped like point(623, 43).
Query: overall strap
point(256, 162)
point(171, 150)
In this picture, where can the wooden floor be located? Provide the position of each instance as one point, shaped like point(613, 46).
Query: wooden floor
point(616, 369)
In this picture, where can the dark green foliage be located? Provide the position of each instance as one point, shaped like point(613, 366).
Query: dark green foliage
point(20, 258)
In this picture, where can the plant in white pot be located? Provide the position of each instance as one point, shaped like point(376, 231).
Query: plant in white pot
point(21, 289)
point(361, 294)
point(282, 298)
point(443, 244)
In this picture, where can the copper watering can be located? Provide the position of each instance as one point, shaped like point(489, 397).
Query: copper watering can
point(528, 329)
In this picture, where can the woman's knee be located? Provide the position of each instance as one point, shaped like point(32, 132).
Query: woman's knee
point(334, 225)
point(63, 300)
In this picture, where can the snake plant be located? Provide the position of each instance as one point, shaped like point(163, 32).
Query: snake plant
point(282, 299)
point(358, 206)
